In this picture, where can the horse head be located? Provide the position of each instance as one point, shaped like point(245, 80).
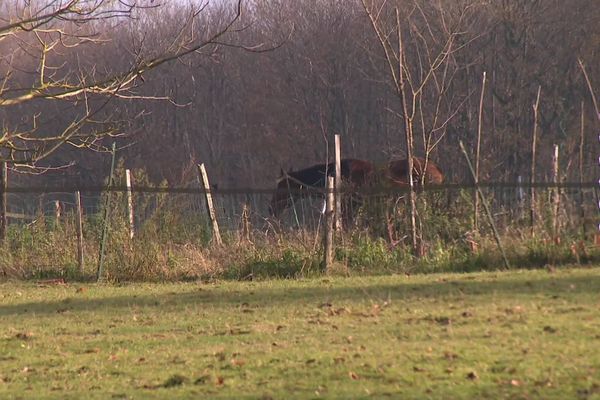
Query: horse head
point(281, 198)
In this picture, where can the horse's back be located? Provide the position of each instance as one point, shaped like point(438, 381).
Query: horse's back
point(397, 171)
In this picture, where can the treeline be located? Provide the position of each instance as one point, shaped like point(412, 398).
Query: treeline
point(297, 72)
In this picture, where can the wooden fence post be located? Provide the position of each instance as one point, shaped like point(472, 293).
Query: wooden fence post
point(79, 227)
point(3, 201)
point(338, 184)
point(533, 147)
point(245, 224)
point(477, 150)
point(57, 213)
point(209, 203)
point(329, 228)
point(520, 196)
point(129, 204)
point(581, 196)
point(556, 196)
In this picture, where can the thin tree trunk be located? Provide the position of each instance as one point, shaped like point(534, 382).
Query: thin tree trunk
point(79, 222)
point(3, 201)
point(408, 127)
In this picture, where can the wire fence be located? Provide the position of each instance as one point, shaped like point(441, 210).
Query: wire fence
point(573, 204)
point(173, 236)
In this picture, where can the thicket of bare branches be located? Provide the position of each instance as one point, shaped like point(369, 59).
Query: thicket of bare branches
point(66, 64)
point(246, 113)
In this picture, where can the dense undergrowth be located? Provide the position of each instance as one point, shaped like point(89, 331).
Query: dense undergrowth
point(169, 248)
point(173, 242)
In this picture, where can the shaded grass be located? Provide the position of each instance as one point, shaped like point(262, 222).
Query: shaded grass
point(519, 334)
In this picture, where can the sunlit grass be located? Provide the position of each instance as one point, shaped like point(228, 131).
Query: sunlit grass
point(521, 334)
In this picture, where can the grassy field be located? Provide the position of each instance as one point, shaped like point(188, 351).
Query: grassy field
point(524, 334)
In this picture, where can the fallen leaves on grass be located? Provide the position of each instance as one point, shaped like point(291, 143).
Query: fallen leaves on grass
point(24, 335)
point(91, 351)
point(472, 376)
point(175, 380)
point(236, 362)
point(514, 310)
point(47, 282)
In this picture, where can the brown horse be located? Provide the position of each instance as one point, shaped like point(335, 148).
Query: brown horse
point(310, 182)
point(425, 172)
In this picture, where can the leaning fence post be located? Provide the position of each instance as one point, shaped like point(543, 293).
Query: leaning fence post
point(477, 150)
point(533, 148)
point(106, 214)
point(129, 203)
point(329, 217)
point(485, 206)
point(209, 203)
point(3, 201)
point(338, 184)
point(79, 227)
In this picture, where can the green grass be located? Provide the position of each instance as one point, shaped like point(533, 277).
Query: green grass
point(518, 334)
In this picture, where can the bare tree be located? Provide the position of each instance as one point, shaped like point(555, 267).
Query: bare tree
point(60, 39)
point(418, 47)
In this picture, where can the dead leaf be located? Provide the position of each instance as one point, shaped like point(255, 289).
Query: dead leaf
point(220, 381)
point(353, 376)
point(549, 329)
point(24, 335)
point(236, 362)
point(90, 351)
point(375, 310)
point(59, 281)
point(472, 375)
point(175, 380)
point(80, 290)
point(515, 382)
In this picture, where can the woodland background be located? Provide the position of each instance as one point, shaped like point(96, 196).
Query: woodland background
point(294, 73)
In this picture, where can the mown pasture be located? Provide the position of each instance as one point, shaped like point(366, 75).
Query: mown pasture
point(518, 334)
